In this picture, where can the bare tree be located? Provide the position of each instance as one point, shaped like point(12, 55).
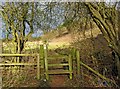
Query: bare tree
point(18, 16)
point(106, 18)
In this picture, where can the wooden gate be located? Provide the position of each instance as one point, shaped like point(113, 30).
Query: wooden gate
point(62, 61)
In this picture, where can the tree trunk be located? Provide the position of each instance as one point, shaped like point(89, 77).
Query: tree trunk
point(107, 25)
point(118, 65)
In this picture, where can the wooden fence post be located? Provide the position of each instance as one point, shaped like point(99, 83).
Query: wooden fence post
point(42, 56)
point(73, 53)
point(70, 66)
point(41, 51)
point(78, 62)
point(38, 66)
point(46, 61)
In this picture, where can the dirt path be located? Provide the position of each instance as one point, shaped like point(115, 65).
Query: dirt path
point(58, 81)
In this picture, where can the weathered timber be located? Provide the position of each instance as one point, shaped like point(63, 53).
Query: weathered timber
point(57, 57)
point(16, 55)
point(41, 51)
point(42, 56)
point(16, 64)
point(97, 73)
point(73, 53)
point(59, 72)
point(78, 62)
point(46, 61)
point(65, 64)
point(70, 66)
point(38, 67)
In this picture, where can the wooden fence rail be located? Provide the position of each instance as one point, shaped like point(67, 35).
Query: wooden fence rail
point(80, 63)
point(17, 55)
point(22, 55)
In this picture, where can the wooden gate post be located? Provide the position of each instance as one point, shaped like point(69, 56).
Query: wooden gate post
point(73, 52)
point(38, 66)
point(46, 61)
point(42, 56)
point(78, 62)
point(70, 66)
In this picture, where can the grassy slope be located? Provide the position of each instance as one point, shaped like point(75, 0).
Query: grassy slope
point(65, 39)
point(54, 40)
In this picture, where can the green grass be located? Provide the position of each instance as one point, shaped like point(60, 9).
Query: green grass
point(32, 45)
point(58, 45)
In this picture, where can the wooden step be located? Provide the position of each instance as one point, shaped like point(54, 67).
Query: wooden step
point(59, 72)
point(65, 64)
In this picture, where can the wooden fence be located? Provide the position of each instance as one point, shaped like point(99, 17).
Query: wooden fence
point(80, 63)
point(19, 64)
point(43, 61)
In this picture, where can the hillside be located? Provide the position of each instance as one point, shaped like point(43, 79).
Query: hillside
point(56, 39)
point(64, 39)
